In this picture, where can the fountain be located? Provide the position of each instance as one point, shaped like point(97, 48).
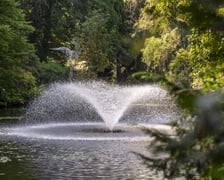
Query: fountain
point(91, 110)
point(89, 101)
point(84, 130)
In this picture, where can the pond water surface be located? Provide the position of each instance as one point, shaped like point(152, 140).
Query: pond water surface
point(68, 158)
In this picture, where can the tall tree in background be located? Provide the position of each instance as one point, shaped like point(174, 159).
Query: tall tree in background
point(202, 59)
point(16, 55)
point(54, 22)
point(99, 36)
point(158, 22)
point(39, 14)
point(184, 41)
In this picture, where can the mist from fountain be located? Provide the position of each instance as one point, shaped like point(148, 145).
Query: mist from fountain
point(90, 101)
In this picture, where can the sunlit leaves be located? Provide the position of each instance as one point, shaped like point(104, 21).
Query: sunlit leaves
point(179, 69)
point(158, 22)
point(206, 54)
point(157, 51)
point(220, 11)
point(199, 61)
point(203, 59)
point(151, 53)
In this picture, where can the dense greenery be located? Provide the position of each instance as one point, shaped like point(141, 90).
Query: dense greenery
point(30, 28)
point(184, 41)
point(17, 56)
point(179, 42)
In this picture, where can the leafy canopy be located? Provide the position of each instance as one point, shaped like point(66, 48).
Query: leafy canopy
point(16, 54)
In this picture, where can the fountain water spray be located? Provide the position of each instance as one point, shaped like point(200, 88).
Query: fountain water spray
point(86, 101)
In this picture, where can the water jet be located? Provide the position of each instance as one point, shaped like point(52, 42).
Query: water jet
point(96, 101)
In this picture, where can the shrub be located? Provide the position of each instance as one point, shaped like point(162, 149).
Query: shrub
point(51, 71)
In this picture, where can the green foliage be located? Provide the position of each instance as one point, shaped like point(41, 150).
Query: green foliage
point(197, 150)
point(17, 83)
point(206, 57)
point(95, 24)
point(200, 65)
point(132, 13)
point(51, 71)
point(180, 69)
point(95, 41)
point(19, 87)
point(163, 34)
point(157, 51)
point(186, 99)
point(54, 22)
point(180, 40)
point(99, 35)
point(181, 43)
point(216, 171)
point(150, 54)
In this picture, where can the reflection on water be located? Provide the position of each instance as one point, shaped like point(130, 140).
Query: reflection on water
point(78, 131)
point(50, 159)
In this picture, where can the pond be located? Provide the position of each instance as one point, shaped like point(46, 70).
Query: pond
point(84, 131)
point(38, 158)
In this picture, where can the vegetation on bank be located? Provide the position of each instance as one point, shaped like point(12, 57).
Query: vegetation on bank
point(120, 41)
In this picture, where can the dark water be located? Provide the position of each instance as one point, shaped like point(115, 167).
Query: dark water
point(25, 158)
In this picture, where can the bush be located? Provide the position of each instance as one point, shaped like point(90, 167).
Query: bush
point(51, 71)
point(18, 89)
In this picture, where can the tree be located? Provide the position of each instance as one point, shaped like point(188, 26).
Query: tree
point(184, 41)
point(203, 56)
point(17, 83)
point(99, 36)
point(157, 51)
point(158, 24)
point(54, 22)
point(96, 41)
